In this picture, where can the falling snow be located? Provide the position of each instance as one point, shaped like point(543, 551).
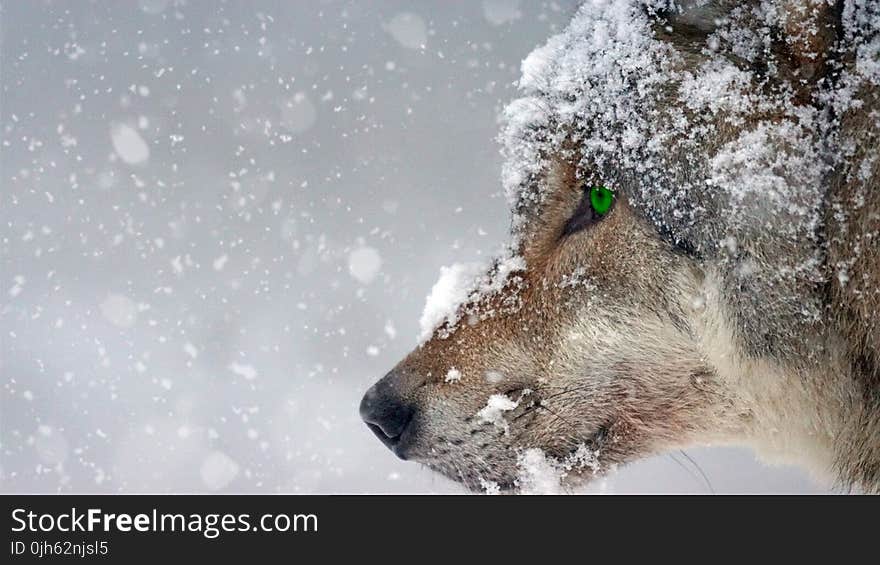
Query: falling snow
point(129, 145)
point(364, 264)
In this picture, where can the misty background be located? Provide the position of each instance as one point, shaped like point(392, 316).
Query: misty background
point(218, 225)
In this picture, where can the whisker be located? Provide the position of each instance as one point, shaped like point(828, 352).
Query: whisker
point(699, 469)
point(689, 470)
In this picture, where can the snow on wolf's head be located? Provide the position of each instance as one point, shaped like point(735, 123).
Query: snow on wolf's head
point(665, 285)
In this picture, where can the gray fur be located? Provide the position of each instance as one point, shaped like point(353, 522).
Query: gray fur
point(732, 294)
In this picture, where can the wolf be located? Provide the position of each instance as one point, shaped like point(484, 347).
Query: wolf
point(694, 256)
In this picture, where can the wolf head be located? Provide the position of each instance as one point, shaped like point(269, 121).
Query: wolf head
point(667, 279)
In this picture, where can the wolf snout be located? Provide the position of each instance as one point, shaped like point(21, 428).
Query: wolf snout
point(387, 413)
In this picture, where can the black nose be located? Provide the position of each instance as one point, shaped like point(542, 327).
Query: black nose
point(387, 413)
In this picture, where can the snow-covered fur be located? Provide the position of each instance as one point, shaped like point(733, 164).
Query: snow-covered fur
point(730, 295)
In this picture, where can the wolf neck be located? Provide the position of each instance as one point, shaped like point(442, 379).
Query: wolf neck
point(788, 413)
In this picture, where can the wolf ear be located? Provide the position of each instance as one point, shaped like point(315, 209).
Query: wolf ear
point(804, 34)
point(809, 30)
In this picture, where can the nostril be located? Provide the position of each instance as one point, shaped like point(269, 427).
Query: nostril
point(395, 422)
point(387, 419)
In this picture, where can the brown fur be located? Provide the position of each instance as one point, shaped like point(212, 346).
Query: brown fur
point(626, 340)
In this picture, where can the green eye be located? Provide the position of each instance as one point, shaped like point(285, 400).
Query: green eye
point(601, 199)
